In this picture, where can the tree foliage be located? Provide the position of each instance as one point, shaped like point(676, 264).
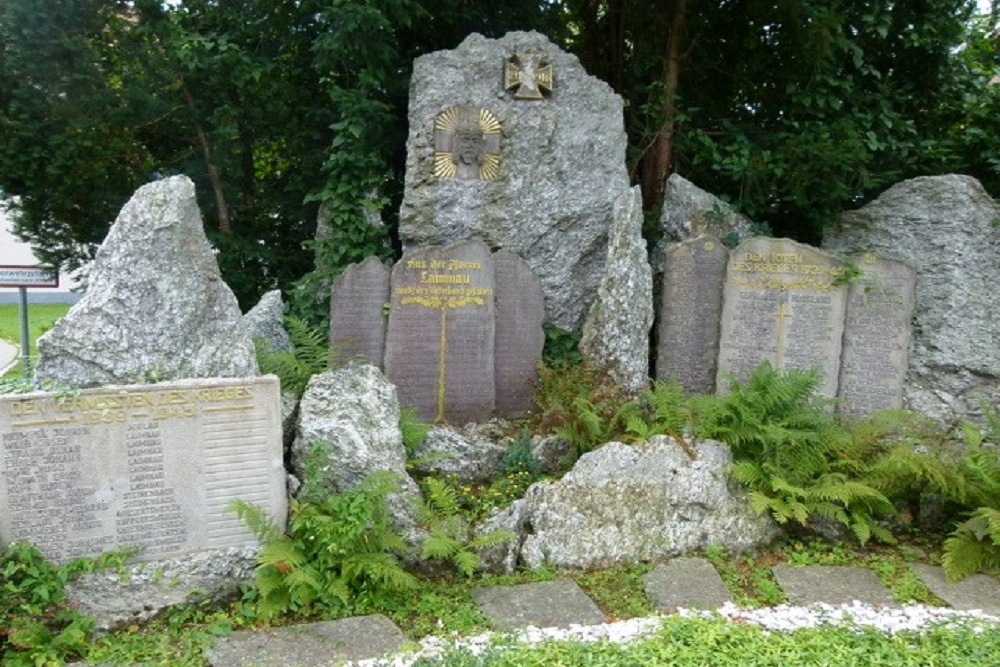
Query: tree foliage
point(791, 109)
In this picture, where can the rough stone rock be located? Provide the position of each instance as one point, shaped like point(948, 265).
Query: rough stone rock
point(561, 166)
point(503, 558)
point(462, 452)
point(156, 306)
point(355, 411)
point(551, 451)
point(689, 212)
point(119, 598)
point(944, 226)
point(649, 501)
point(266, 322)
point(616, 332)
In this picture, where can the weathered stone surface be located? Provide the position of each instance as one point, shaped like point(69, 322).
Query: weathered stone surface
point(357, 313)
point(943, 226)
point(782, 303)
point(685, 583)
point(979, 591)
point(561, 166)
point(689, 211)
point(440, 342)
point(551, 451)
point(309, 645)
point(503, 558)
point(464, 453)
point(355, 411)
point(519, 339)
point(149, 466)
point(265, 322)
point(687, 348)
point(832, 584)
point(625, 503)
point(546, 604)
point(155, 306)
point(616, 332)
point(877, 331)
point(116, 599)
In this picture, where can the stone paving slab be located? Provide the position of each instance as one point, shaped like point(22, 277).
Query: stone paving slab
point(547, 604)
point(832, 584)
point(978, 591)
point(309, 645)
point(690, 583)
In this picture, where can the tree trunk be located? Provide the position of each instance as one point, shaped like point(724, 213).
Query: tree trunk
point(657, 162)
point(225, 226)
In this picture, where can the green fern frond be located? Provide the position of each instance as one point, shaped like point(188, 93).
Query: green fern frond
point(256, 519)
point(491, 539)
point(311, 355)
point(965, 553)
point(440, 545)
point(442, 498)
point(467, 562)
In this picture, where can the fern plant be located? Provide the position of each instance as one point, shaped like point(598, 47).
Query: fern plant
point(310, 355)
point(449, 536)
point(340, 549)
point(974, 546)
point(796, 460)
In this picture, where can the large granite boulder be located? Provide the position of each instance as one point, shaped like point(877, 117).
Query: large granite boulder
point(689, 212)
point(534, 168)
point(616, 332)
point(626, 503)
point(466, 453)
point(156, 307)
point(266, 322)
point(354, 410)
point(946, 227)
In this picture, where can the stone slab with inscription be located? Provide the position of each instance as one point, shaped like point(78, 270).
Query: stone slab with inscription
point(357, 313)
point(147, 466)
point(877, 333)
point(694, 273)
point(440, 340)
point(783, 302)
point(520, 310)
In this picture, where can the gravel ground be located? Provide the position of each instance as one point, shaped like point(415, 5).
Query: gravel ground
point(783, 618)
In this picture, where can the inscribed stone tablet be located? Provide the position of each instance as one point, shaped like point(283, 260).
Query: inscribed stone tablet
point(782, 304)
point(877, 334)
point(691, 308)
point(152, 466)
point(440, 341)
point(357, 313)
point(519, 337)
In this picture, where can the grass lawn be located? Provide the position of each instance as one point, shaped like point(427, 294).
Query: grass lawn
point(41, 318)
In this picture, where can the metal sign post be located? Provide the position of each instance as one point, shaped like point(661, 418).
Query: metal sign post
point(23, 277)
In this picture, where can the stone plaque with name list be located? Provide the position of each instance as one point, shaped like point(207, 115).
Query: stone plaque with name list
point(783, 302)
point(691, 307)
point(440, 341)
point(520, 310)
point(146, 466)
point(877, 333)
point(357, 313)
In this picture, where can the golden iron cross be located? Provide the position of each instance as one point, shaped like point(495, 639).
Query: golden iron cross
point(530, 75)
point(782, 315)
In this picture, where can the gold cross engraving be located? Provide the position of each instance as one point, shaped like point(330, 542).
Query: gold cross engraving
point(530, 75)
point(782, 315)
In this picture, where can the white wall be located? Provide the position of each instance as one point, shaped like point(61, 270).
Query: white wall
point(16, 253)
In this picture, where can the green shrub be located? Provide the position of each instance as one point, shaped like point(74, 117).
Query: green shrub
point(449, 534)
point(339, 553)
point(38, 625)
point(974, 546)
point(311, 355)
